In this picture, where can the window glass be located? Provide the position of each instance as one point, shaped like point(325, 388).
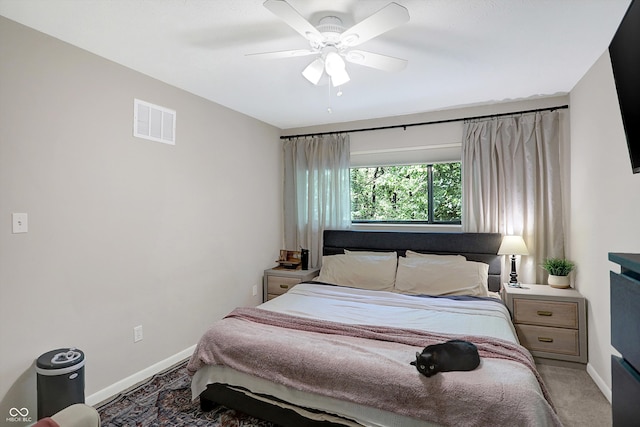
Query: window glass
point(447, 192)
point(412, 193)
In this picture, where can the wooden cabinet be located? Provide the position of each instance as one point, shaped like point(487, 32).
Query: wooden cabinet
point(551, 323)
point(277, 281)
point(625, 330)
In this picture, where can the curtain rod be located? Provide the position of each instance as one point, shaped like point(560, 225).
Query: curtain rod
point(435, 122)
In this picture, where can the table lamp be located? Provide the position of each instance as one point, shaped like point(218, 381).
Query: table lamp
point(513, 245)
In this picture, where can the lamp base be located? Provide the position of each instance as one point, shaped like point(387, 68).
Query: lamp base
point(514, 285)
point(514, 277)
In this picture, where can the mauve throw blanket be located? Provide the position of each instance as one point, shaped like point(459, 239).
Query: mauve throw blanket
point(369, 365)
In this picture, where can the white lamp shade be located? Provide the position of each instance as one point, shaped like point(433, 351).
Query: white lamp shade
point(336, 68)
point(314, 71)
point(513, 245)
point(333, 63)
point(340, 78)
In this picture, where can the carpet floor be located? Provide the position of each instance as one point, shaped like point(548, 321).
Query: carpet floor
point(578, 400)
point(165, 400)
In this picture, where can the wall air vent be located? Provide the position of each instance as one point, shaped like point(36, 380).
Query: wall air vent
point(154, 122)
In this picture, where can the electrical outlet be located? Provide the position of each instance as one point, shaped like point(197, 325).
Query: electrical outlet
point(20, 222)
point(137, 333)
point(255, 290)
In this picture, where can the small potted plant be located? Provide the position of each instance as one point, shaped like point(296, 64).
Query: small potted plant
point(558, 269)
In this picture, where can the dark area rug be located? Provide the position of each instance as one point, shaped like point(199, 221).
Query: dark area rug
point(165, 400)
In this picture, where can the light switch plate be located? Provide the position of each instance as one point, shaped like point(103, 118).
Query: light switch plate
point(20, 222)
point(137, 333)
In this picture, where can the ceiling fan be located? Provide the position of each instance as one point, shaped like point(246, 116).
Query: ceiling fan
point(332, 43)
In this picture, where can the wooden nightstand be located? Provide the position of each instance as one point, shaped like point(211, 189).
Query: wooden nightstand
point(277, 281)
point(551, 323)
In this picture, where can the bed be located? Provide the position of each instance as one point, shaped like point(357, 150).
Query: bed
point(337, 350)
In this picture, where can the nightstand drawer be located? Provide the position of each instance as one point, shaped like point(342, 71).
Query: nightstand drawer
point(551, 340)
point(278, 281)
point(545, 313)
point(278, 285)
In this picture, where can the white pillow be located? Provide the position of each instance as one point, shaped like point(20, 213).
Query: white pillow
point(435, 257)
point(425, 277)
point(372, 272)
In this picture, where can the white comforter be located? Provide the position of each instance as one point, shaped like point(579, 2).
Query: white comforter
point(354, 306)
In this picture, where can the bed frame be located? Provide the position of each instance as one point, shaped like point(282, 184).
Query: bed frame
point(482, 247)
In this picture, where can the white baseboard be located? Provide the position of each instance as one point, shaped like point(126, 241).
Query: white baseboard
point(599, 382)
point(138, 377)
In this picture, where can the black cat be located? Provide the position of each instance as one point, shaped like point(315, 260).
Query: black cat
point(454, 355)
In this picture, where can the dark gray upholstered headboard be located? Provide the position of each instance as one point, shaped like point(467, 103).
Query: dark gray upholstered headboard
point(482, 247)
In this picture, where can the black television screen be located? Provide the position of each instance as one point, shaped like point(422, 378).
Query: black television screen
point(624, 51)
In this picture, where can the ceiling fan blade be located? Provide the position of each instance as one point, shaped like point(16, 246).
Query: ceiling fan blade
point(375, 60)
point(387, 18)
point(283, 54)
point(288, 14)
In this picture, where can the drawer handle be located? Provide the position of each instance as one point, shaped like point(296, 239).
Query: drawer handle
point(545, 313)
point(284, 286)
point(545, 339)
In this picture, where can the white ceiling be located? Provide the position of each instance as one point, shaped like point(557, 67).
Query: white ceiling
point(460, 52)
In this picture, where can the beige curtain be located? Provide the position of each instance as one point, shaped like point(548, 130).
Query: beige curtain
point(316, 191)
point(512, 184)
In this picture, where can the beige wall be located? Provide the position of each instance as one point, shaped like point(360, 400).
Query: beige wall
point(604, 203)
point(122, 231)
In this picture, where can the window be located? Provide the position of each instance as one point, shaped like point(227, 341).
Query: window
point(427, 193)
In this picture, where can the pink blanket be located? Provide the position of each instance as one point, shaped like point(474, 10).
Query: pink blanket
point(369, 365)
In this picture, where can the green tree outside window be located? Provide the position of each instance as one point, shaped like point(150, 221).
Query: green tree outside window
point(412, 193)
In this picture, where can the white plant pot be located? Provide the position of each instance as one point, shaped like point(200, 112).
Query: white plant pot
point(561, 282)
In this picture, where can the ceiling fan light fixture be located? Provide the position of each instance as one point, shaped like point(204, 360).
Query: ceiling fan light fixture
point(340, 78)
point(313, 72)
point(334, 63)
point(336, 69)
